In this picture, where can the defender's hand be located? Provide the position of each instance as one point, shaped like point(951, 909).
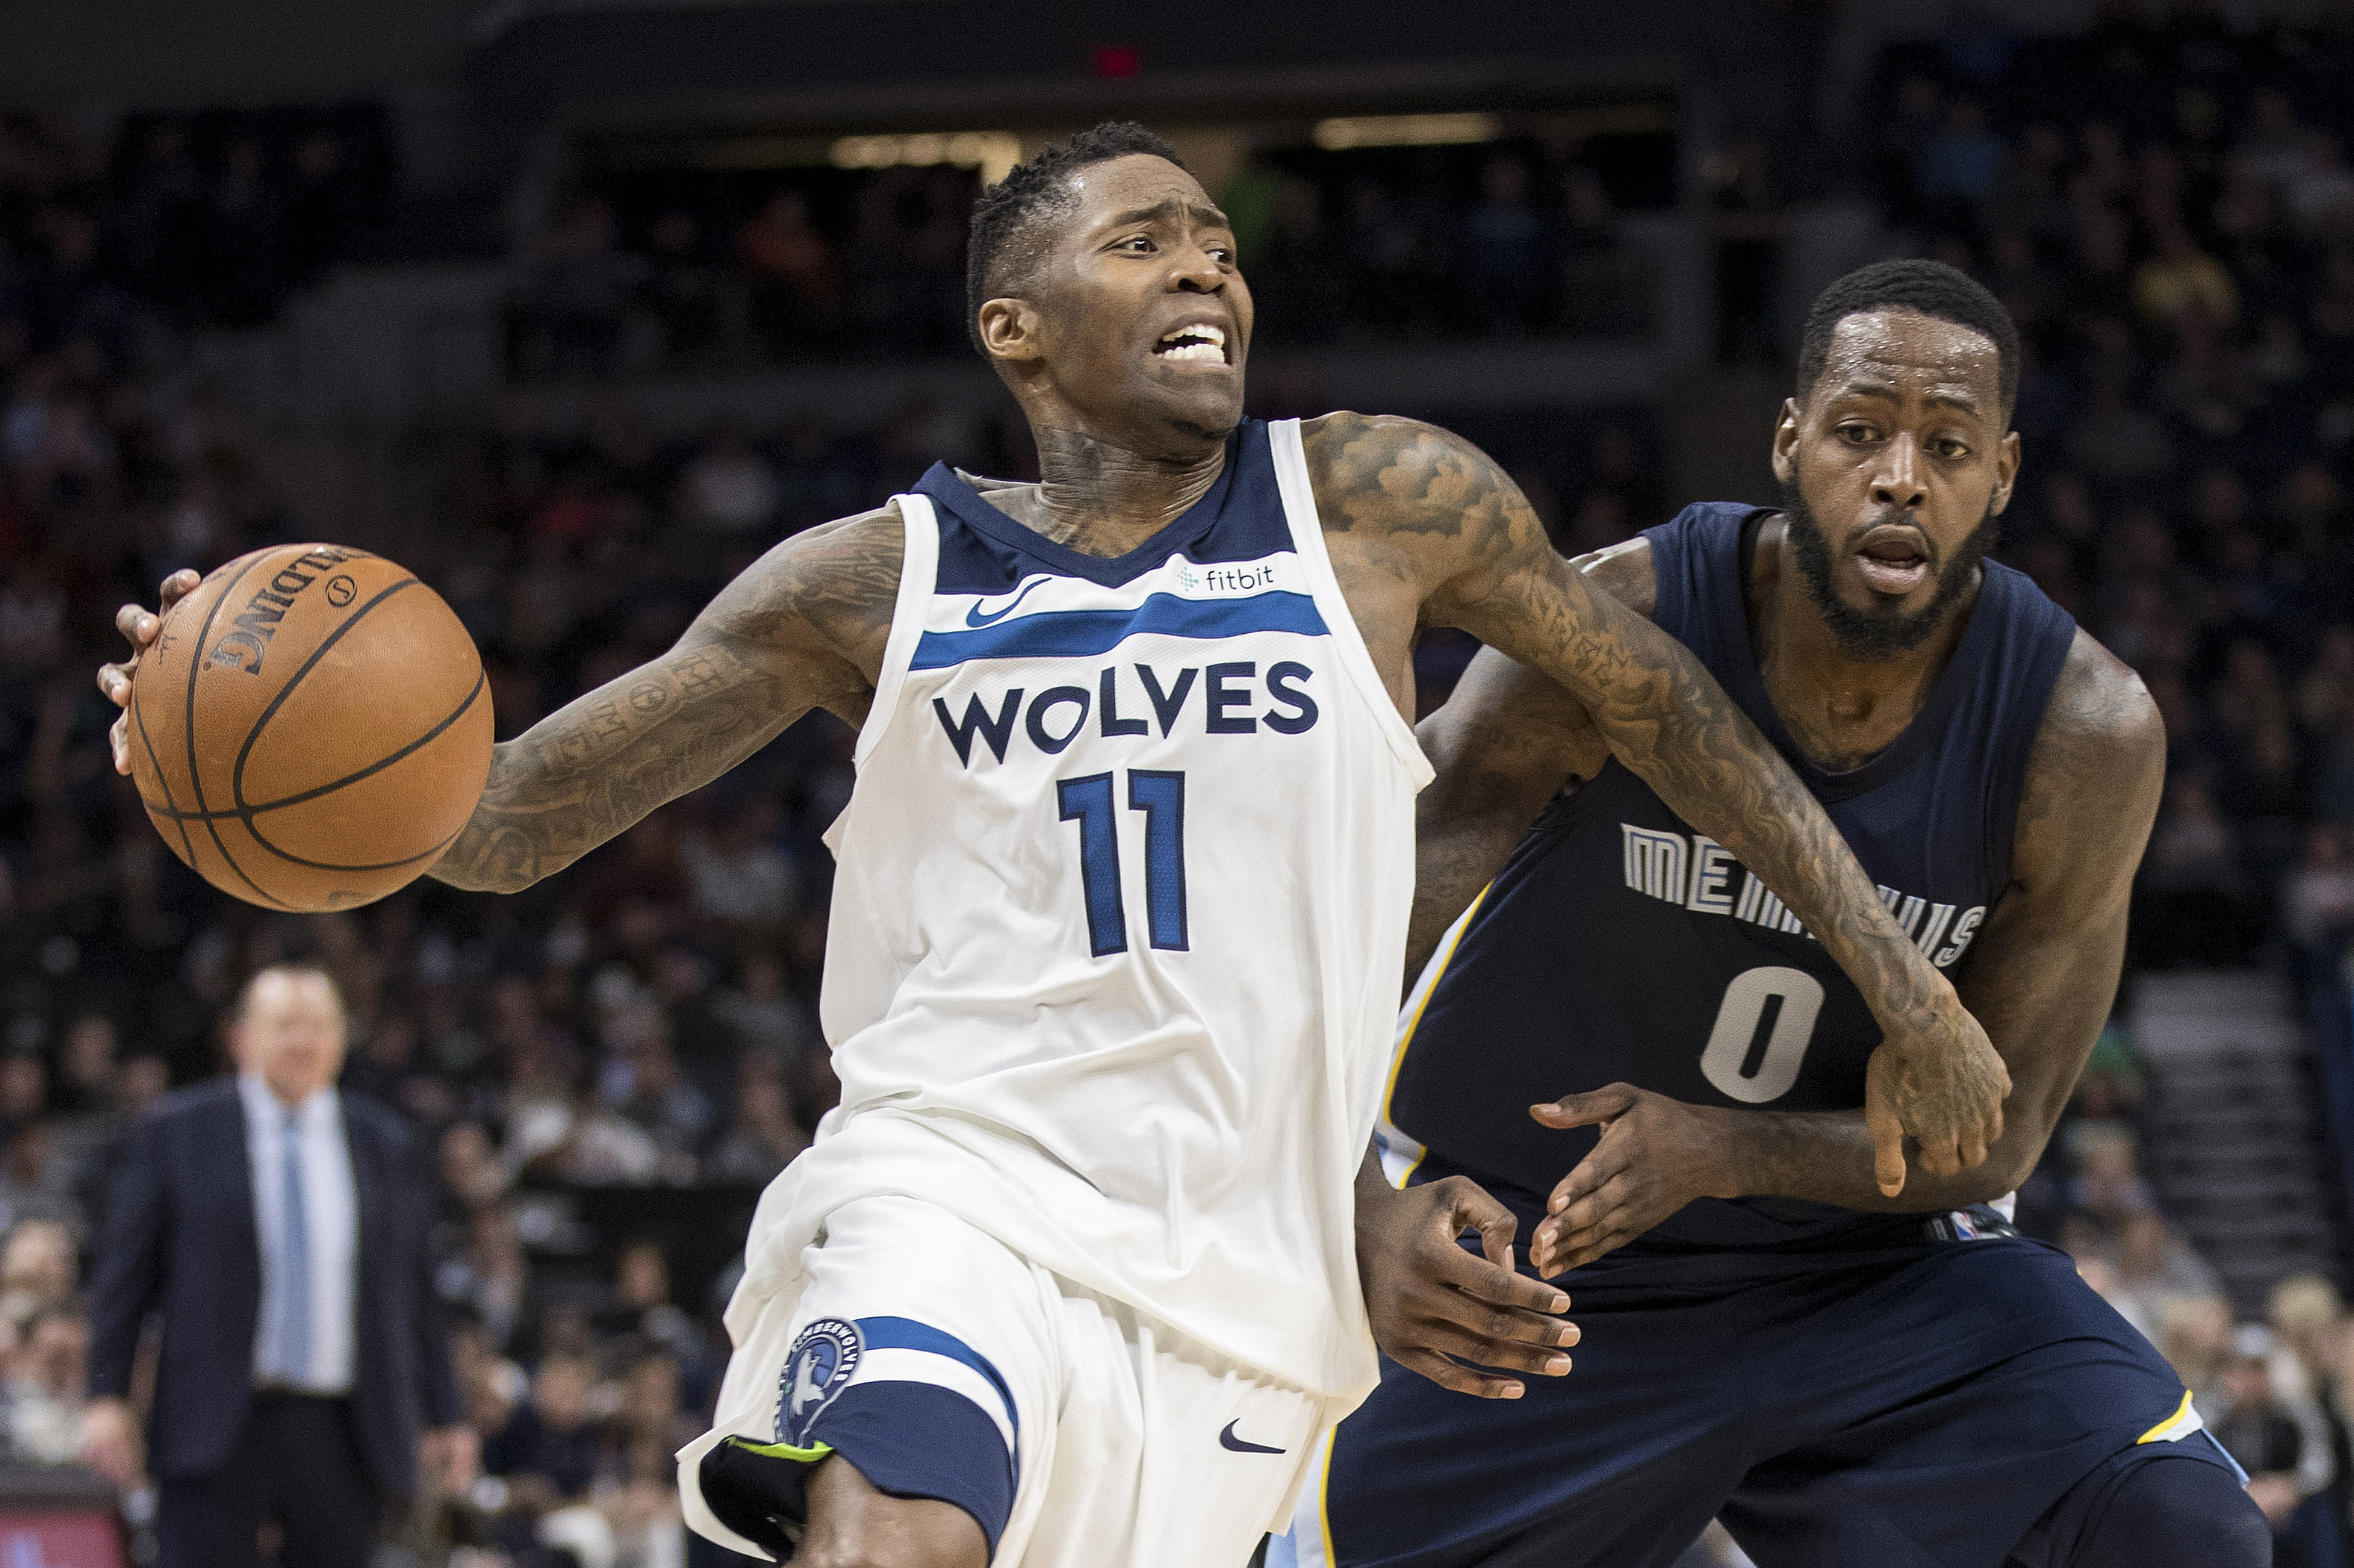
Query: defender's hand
point(139, 628)
point(1943, 1087)
point(1656, 1155)
point(1430, 1299)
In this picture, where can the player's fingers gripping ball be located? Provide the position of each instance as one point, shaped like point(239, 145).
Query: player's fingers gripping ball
point(310, 729)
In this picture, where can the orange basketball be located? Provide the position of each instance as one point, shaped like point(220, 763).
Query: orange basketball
point(311, 727)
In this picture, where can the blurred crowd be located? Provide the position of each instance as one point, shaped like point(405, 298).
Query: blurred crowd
point(187, 221)
point(2168, 213)
point(2166, 210)
point(606, 1069)
point(1514, 239)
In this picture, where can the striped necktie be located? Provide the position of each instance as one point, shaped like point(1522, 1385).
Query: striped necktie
point(289, 1283)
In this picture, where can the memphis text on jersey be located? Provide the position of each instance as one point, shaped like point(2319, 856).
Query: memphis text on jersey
point(1696, 872)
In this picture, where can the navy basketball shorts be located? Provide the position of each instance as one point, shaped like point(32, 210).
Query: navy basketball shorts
point(1923, 1404)
point(1075, 1432)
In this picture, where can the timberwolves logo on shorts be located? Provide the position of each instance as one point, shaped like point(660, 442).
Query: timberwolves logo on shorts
point(819, 1366)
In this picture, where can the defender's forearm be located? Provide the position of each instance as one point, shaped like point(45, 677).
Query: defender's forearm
point(603, 761)
point(1825, 1157)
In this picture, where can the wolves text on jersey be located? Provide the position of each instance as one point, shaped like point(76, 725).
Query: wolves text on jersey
point(1697, 873)
point(1136, 699)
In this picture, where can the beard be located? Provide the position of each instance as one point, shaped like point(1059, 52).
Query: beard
point(1879, 634)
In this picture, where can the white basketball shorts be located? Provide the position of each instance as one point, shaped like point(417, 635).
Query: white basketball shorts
point(1075, 1433)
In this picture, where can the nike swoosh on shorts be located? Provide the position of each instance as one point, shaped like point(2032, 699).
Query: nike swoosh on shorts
point(1228, 1439)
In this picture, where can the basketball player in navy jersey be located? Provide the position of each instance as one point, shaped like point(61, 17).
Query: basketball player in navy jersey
point(1846, 1379)
point(1068, 1280)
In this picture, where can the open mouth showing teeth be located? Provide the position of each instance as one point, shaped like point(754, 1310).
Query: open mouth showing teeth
point(1893, 568)
point(1194, 342)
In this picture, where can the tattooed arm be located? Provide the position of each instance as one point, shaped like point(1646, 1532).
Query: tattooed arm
point(2040, 976)
point(1503, 746)
point(803, 627)
point(1448, 525)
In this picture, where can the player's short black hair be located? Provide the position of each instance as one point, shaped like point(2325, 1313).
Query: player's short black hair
point(1926, 287)
point(1034, 190)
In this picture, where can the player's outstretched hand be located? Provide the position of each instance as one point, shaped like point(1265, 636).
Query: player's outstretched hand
point(139, 627)
point(1434, 1306)
point(1943, 1087)
point(1655, 1156)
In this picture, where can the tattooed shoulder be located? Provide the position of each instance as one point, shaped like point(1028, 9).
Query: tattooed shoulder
point(837, 585)
point(1384, 473)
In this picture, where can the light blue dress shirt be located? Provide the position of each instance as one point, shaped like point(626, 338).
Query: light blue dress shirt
point(304, 1338)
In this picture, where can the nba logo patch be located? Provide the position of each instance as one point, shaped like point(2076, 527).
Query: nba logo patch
point(1965, 1225)
point(819, 1365)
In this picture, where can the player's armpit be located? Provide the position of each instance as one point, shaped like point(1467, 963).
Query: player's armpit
point(1502, 746)
point(803, 627)
point(1433, 1306)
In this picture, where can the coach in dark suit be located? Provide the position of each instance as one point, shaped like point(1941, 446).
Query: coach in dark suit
point(279, 1230)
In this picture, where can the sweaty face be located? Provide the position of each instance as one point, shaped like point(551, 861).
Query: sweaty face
point(1142, 319)
point(1893, 473)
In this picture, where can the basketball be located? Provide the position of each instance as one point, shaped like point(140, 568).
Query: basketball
point(312, 727)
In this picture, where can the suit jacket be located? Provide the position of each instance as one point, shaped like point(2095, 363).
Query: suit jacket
point(181, 1239)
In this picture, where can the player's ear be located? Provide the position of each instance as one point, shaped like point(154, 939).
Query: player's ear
point(1785, 439)
point(1008, 329)
point(2006, 470)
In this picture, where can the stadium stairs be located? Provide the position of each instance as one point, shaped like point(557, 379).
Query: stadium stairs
point(2233, 1139)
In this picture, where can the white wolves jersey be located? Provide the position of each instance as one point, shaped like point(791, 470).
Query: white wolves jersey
point(1120, 912)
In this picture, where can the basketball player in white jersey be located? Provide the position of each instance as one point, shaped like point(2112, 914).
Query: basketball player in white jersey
point(1067, 1279)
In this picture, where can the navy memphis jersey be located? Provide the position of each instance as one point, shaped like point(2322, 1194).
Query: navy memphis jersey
point(1618, 945)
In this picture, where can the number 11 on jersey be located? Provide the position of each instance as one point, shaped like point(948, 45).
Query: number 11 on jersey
point(1161, 796)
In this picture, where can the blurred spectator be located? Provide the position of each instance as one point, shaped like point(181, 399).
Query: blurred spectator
point(1508, 252)
point(728, 487)
point(644, 1085)
point(2180, 280)
point(38, 1268)
point(2194, 1334)
point(646, 1312)
point(2319, 913)
point(492, 1277)
point(2260, 1425)
point(574, 297)
point(2193, 884)
point(1959, 162)
point(764, 1139)
point(687, 293)
point(790, 269)
point(741, 882)
point(44, 1392)
point(768, 1020)
point(549, 1446)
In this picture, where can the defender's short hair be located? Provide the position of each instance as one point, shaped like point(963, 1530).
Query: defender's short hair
point(1035, 190)
point(1925, 288)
